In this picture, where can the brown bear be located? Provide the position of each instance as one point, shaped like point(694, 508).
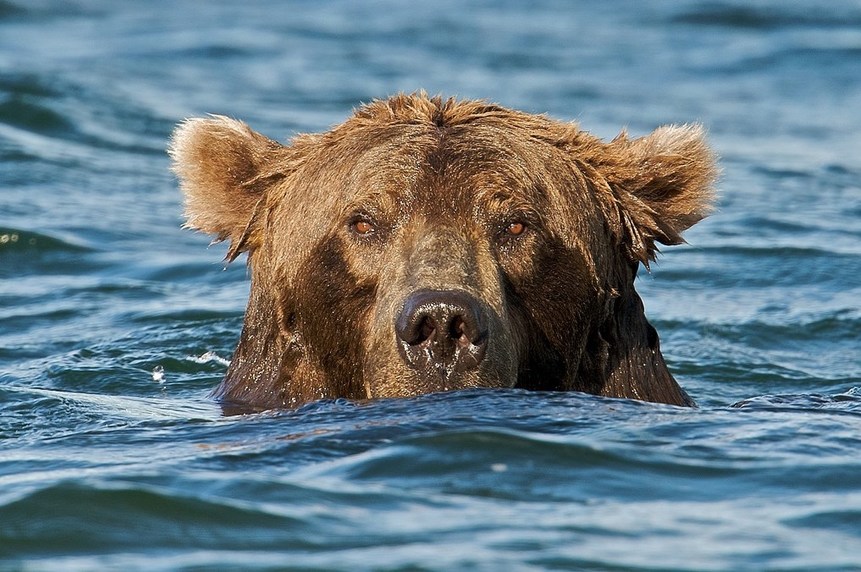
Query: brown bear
point(431, 245)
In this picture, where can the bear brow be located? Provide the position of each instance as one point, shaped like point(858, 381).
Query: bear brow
point(508, 192)
point(507, 205)
point(378, 199)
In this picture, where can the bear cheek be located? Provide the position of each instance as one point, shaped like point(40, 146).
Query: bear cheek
point(333, 307)
point(558, 293)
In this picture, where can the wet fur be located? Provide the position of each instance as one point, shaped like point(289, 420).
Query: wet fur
point(441, 179)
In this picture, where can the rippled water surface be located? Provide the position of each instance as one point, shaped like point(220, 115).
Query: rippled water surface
point(115, 323)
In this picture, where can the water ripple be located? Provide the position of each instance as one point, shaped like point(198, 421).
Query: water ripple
point(115, 324)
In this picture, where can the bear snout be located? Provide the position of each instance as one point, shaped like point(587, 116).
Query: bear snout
point(442, 331)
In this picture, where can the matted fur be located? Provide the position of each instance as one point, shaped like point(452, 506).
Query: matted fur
point(439, 181)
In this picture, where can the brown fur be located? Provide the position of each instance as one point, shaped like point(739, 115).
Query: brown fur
point(440, 181)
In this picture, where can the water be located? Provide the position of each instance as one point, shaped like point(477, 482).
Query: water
point(115, 323)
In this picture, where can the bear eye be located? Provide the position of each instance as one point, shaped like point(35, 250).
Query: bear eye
point(512, 231)
point(515, 228)
point(361, 225)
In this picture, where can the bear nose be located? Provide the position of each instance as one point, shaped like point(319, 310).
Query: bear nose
point(442, 330)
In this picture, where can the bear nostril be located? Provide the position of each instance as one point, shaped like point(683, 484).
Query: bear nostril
point(425, 330)
point(458, 332)
point(442, 329)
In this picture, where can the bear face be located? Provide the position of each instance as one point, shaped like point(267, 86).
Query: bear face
point(430, 245)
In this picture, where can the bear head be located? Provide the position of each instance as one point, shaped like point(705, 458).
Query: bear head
point(429, 245)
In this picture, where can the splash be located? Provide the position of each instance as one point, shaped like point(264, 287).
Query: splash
point(158, 374)
point(209, 357)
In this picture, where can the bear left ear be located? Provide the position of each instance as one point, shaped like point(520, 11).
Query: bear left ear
point(661, 185)
point(224, 169)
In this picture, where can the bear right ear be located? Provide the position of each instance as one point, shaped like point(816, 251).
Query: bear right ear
point(222, 168)
point(658, 185)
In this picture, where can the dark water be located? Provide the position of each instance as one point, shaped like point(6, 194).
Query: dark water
point(115, 323)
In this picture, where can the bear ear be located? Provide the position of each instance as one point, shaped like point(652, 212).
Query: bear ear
point(661, 185)
point(224, 169)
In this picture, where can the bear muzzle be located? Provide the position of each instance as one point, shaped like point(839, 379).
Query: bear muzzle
point(441, 333)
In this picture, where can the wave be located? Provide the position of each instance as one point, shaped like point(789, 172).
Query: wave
point(376, 485)
point(129, 516)
point(33, 117)
point(9, 10)
point(764, 17)
point(13, 240)
point(26, 253)
point(848, 402)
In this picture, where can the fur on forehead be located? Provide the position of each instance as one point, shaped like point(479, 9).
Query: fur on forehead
point(650, 189)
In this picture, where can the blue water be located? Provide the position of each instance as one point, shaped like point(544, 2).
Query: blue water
point(115, 323)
